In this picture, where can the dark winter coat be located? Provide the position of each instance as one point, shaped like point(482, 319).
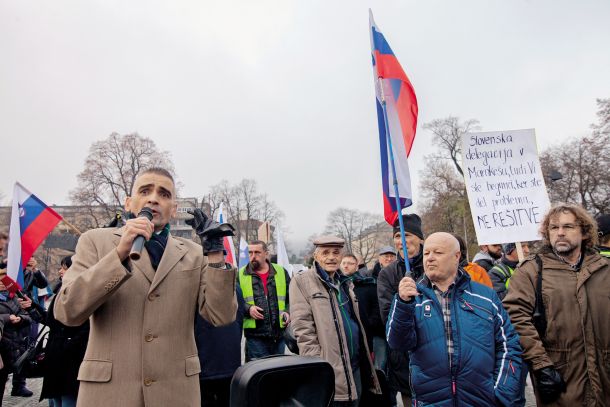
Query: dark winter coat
point(486, 362)
point(65, 350)
point(387, 287)
point(269, 327)
point(365, 289)
point(33, 279)
point(14, 336)
point(219, 347)
point(390, 276)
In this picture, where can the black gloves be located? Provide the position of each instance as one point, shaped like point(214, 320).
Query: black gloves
point(549, 384)
point(209, 231)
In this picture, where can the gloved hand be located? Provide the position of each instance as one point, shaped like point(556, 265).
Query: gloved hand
point(549, 384)
point(209, 231)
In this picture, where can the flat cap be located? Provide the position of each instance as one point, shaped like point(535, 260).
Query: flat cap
point(387, 249)
point(328, 240)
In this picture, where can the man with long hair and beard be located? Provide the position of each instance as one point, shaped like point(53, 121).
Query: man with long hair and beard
point(558, 302)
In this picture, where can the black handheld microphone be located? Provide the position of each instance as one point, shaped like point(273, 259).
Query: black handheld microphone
point(138, 242)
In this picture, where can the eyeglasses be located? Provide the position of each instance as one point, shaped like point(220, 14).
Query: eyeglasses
point(568, 227)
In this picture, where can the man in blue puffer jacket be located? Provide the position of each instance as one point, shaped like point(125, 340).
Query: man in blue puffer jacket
point(463, 348)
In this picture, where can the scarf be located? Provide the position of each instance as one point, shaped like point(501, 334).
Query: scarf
point(156, 246)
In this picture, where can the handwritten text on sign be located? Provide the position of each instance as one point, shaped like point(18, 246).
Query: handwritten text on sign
point(506, 189)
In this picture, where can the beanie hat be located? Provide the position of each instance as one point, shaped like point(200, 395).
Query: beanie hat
point(508, 247)
point(412, 224)
point(603, 224)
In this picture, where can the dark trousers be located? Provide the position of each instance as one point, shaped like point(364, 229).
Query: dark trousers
point(257, 348)
point(3, 377)
point(215, 392)
point(18, 380)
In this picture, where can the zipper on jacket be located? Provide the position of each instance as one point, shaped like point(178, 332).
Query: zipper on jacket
point(455, 368)
point(339, 335)
point(509, 368)
point(471, 305)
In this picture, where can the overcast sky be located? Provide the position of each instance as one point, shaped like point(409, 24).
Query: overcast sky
point(282, 91)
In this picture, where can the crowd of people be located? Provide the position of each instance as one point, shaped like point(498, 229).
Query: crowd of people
point(432, 329)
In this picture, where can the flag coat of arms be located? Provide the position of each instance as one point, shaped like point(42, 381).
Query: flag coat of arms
point(393, 91)
point(31, 222)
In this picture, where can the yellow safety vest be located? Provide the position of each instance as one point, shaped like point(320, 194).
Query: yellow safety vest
point(245, 282)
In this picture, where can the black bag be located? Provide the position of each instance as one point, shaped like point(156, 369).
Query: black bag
point(31, 363)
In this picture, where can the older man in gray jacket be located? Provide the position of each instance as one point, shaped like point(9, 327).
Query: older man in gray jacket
point(326, 322)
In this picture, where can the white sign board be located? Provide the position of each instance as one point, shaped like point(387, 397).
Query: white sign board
point(506, 189)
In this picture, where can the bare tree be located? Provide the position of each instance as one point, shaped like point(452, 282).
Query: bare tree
point(110, 171)
point(248, 200)
point(447, 136)
point(584, 164)
point(363, 232)
point(602, 128)
point(243, 206)
point(270, 212)
point(445, 204)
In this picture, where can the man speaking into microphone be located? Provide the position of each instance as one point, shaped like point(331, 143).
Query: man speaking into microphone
point(142, 348)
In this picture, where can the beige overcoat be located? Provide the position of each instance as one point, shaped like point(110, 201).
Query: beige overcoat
point(318, 333)
point(142, 348)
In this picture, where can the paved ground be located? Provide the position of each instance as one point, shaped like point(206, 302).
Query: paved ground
point(36, 384)
point(33, 384)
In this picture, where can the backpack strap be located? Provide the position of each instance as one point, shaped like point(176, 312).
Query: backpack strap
point(539, 317)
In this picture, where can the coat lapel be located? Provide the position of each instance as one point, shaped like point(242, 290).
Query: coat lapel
point(174, 251)
point(143, 265)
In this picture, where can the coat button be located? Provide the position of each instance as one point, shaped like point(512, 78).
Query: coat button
point(148, 381)
point(149, 338)
point(151, 297)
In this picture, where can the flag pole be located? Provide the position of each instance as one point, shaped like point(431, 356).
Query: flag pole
point(396, 194)
point(71, 226)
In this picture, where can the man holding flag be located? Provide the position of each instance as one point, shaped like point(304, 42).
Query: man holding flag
point(397, 122)
point(387, 288)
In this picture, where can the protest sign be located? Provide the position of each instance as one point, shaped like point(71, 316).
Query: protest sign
point(506, 190)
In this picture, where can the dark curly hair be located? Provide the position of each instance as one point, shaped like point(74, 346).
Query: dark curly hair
point(587, 224)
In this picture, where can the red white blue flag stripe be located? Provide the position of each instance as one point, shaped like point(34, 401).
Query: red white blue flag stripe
point(227, 242)
point(31, 222)
point(401, 109)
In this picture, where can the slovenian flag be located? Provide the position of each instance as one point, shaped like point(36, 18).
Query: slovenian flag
point(244, 255)
point(31, 222)
point(227, 242)
point(401, 109)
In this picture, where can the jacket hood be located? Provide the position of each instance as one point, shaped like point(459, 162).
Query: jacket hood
point(482, 256)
